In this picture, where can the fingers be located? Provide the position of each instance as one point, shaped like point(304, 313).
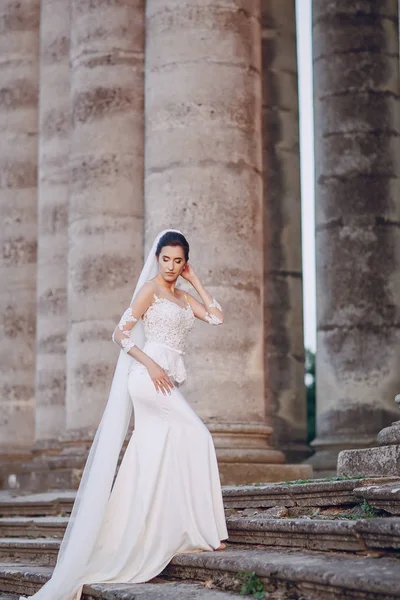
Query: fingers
point(169, 383)
point(164, 384)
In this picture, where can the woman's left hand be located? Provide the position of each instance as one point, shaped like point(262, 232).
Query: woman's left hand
point(188, 273)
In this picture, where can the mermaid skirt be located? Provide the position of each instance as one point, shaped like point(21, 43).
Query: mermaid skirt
point(166, 498)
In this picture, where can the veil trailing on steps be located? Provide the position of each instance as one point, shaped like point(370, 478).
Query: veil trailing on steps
point(97, 479)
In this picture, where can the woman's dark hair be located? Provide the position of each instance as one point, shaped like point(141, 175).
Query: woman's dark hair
point(173, 238)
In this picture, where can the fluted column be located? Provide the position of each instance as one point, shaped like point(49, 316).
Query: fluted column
point(203, 161)
point(52, 275)
point(19, 78)
point(284, 342)
point(357, 129)
point(106, 194)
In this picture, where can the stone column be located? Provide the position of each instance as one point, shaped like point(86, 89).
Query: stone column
point(52, 272)
point(357, 149)
point(19, 77)
point(106, 194)
point(284, 340)
point(203, 163)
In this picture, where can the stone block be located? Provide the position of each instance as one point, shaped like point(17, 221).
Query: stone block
point(390, 435)
point(372, 462)
point(383, 497)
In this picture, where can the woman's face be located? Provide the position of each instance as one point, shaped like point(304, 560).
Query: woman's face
point(171, 262)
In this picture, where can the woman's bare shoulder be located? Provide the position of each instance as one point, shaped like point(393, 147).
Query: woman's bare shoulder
point(148, 288)
point(185, 296)
point(181, 294)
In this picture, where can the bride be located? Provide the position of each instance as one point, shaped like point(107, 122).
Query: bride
point(166, 498)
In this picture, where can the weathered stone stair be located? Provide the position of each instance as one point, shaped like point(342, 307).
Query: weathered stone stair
point(310, 541)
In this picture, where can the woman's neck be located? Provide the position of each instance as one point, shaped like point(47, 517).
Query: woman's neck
point(170, 287)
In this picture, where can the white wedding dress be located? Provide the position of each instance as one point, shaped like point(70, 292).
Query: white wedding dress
point(166, 498)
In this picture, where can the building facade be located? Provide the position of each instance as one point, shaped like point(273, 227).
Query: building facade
point(120, 119)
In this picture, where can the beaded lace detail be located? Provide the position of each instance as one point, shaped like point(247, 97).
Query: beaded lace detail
point(212, 319)
point(168, 323)
point(216, 304)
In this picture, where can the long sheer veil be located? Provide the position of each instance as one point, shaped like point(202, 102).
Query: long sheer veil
point(98, 475)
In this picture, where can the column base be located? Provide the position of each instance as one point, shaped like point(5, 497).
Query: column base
point(10, 461)
point(296, 452)
point(52, 464)
point(324, 461)
point(255, 473)
point(245, 455)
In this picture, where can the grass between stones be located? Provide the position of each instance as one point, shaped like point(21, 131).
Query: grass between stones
point(362, 511)
point(252, 584)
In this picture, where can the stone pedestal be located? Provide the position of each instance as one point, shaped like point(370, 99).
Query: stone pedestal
point(357, 151)
point(382, 461)
point(245, 455)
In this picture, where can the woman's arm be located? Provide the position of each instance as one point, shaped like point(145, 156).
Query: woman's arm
point(121, 337)
point(210, 310)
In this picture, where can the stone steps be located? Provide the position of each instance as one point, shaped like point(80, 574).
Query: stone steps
point(38, 527)
point(312, 557)
point(315, 494)
point(38, 551)
point(382, 496)
point(319, 493)
point(358, 535)
point(32, 505)
point(285, 574)
point(28, 579)
point(361, 535)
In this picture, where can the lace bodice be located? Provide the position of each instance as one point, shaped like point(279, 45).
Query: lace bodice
point(168, 323)
point(166, 326)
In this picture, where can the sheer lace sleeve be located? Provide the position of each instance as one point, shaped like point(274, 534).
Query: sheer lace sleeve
point(122, 333)
point(211, 318)
point(209, 313)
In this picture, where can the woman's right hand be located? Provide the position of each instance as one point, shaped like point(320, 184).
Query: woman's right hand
point(160, 378)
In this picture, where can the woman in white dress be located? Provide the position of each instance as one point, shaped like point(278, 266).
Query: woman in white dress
point(166, 498)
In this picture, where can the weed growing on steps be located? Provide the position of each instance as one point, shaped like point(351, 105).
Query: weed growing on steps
point(368, 511)
point(252, 585)
point(362, 511)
